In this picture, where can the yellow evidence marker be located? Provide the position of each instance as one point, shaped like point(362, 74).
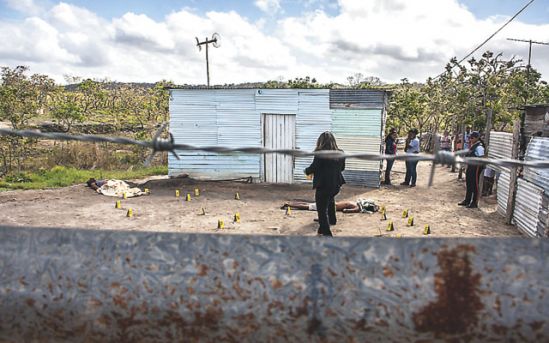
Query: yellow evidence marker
point(427, 230)
point(220, 224)
point(130, 213)
point(390, 226)
point(288, 211)
point(237, 196)
point(188, 197)
point(177, 193)
point(405, 214)
point(411, 221)
point(196, 192)
point(237, 217)
point(124, 195)
point(118, 204)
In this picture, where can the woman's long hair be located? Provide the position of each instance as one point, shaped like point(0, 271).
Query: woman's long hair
point(326, 141)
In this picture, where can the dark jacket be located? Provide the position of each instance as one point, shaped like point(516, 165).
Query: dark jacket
point(327, 173)
point(390, 146)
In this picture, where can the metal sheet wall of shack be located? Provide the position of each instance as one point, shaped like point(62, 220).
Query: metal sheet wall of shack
point(313, 118)
point(221, 117)
point(501, 147)
point(528, 205)
point(538, 149)
point(233, 117)
point(60, 285)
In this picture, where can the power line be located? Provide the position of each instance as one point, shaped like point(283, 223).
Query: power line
point(491, 36)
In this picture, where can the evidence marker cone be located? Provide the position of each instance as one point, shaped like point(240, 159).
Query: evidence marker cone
point(203, 211)
point(125, 196)
point(130, 213)
point(288, 211)
point(390, 226)
point(411, 221)
point(196, 192)
point(237, 196)
point(405, 214)
point(427, 229)
point(118, 204)
point(188, 197)
point(220, 224)
point(147, 191)
point(177, 193)
point(382, 209)
point(237, 217)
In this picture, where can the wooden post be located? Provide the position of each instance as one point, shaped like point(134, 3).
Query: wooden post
point(513, 179)
point(486, 147)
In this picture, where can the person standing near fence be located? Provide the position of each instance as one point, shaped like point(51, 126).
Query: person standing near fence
point(473, 172)
point(390, 149)
point(327, 180)
point(412, 147)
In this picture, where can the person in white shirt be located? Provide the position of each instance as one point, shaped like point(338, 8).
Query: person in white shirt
point(473, 172)
point(412, 147)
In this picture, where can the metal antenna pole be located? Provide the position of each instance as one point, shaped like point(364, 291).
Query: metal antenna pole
point(208, 65)
point(215, 42)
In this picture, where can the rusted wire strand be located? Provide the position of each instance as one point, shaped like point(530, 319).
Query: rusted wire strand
point(158, 144)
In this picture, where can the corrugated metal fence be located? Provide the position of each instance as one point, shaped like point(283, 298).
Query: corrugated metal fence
point(532, 191)
point(89, 285)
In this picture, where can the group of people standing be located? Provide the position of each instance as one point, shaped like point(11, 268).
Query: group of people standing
point(328, 178)
point(411, 147)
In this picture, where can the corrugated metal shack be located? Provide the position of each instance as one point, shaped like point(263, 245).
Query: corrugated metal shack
point(276, 119)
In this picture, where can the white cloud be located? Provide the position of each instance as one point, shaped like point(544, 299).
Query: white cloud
point(268, 6)
point(391, 39)
point(28, 7)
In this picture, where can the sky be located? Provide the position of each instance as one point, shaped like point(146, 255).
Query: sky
point(260, 40)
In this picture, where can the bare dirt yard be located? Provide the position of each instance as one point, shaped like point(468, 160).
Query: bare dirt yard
point(259, 208)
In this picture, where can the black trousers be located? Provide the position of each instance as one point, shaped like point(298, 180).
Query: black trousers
point(472, 176)
point(325, 207)
point(388, 171)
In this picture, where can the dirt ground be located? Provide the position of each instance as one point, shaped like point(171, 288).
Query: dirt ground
point(259, 208)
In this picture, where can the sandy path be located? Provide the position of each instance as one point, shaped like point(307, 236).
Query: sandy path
point(259, 208)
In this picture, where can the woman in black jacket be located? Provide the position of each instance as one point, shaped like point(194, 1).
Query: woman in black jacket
point(327, 181)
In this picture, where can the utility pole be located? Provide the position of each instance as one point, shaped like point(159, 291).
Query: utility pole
point(523, 115)
point(215, 42)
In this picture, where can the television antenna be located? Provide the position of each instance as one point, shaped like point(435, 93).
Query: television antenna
point(215, 42)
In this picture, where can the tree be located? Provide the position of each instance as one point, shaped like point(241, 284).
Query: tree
point(21, 98)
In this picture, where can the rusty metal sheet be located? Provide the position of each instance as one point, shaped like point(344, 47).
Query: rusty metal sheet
point(90, 285)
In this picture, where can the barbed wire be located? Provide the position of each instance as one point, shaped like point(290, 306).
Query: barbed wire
point(159, 144)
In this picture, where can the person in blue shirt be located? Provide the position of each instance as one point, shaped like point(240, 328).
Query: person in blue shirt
point(412, 147)
point(473, 172)
point(390, 149)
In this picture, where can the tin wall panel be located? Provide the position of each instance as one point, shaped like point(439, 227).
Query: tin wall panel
point(538, 149)
point(359, 131)
point(313, 118)
point(501, 146)
point(276, 101)
point(503, 192)
point(357, 98)
point(528, 205)
point(215, 117)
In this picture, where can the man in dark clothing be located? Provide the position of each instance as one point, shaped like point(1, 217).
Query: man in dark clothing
point(390, 149)
point(473, 172)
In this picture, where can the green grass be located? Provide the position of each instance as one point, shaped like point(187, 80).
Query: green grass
point(62, 177)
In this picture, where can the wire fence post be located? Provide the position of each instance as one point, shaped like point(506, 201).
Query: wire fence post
point(513, 177)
